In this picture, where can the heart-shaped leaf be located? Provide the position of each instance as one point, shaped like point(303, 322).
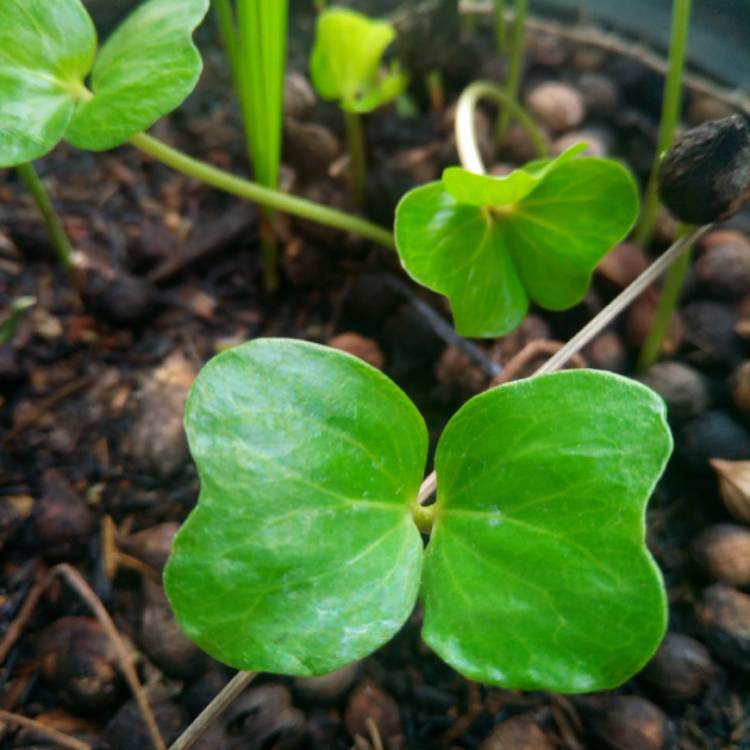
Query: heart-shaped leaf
point(302, 554)
point(145, 70)
point(536, 575)
point(345, 64)
point(46, 49)
point(491, 244)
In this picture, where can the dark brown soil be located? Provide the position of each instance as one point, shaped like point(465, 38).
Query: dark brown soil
point(91, 395)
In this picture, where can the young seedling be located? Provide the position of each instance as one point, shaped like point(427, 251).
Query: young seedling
point(492, 244)
point(515, 58)
point(54, 85)
point(346, 66)
point(305, 551)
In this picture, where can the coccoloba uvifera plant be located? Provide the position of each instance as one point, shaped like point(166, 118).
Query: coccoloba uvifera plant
point(306, 549)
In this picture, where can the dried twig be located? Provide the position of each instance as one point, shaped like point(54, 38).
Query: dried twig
point(77, 582)
point(213, 710)
point(36, 726)
point(532, 350)
point(13, 633)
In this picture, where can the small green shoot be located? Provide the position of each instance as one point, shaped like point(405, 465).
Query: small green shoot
point(346, 66)
point(515, 63)
point(145, 69)
point(492, 244)
point(304, 552)
point(13, 316)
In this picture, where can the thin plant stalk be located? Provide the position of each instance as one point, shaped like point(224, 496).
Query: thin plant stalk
point(355, 139)
point(60, 242)
point(266, 197)
point(598, 323)
point(670, 115)
point(262, 28)
point(515, 65)
point(435, 91)
point(226, 23)
point(668, 301)
point(466, 142)
point(500, 27)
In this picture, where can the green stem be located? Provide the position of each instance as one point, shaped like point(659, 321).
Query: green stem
point(515, 65)
point(468, 150)
point(670, 115)
point(10, 323)
point(60, 241)
point(267, 197)
point(355, 139)
point(501, 36)
point(269, 252)
point(668, 301)
point(225, 20)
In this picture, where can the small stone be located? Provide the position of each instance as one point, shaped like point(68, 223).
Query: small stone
point(516, 145)
point(360, 346)
point(724, 271)
point(704, 108)
point(712, 434)
point(723, 552)
point(79, 661)
point(598, 142)
point(162, 639)
point(518, 733)
point(724, 615)
point(158, 443)
point(299, 97)
point(601, 96)
point(309, 147)
point(459, 378)
point(152, 545)
point(127, 729)
point(705, 176)
point(734, 486)
point(62, 521)
point(682, 387)
point(606, 352)
point(627, 722)
point(120, 298)
point(709, 329)
point(640, 321)
point(622, 265)
point(681, 668)
point(547, 50)
point(327, 687)
point(557, 106)
point(304, 264)
point(368, 701)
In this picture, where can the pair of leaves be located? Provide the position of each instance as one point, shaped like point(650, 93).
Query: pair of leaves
point(302, 554)
point(492, 244)
point(47, 50)
point(345, 65)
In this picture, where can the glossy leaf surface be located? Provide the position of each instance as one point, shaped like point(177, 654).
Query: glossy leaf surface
point(346, 61)
point(46, 49)
point(146, 69)
point(537, 575)
point(492, 244)
point(301, 555)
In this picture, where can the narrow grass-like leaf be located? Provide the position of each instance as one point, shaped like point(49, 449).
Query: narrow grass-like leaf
point(537, 575)
point(302, 554)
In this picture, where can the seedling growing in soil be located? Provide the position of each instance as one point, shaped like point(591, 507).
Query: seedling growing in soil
point(305, 550)
point(492, 244)
point(346, 66)
point(144, 70)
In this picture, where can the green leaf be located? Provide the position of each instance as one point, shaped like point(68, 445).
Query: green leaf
point(346, 61)
point(46, 50)
point(301, 555)
point(491, 244)
point(536, 575)
point(146, 69)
